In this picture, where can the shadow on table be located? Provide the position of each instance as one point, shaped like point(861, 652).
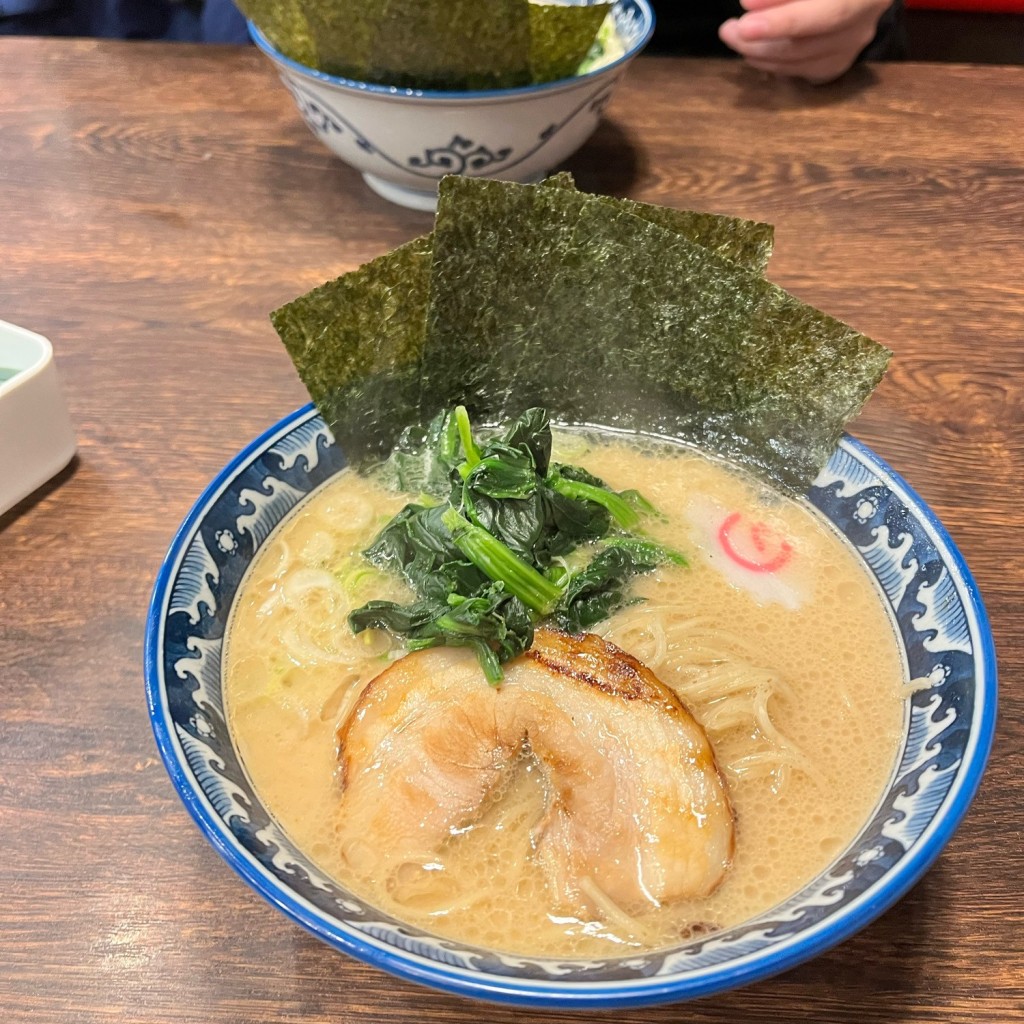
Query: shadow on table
point(759, 90)
point(609, 162)
point(41, 492)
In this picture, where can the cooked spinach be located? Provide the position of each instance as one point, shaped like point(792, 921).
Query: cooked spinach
point(486, 547)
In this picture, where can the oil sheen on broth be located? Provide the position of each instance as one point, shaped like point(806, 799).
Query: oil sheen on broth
point(775, 637)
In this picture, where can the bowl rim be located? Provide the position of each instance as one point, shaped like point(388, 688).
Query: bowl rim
point(549, 993)
point(353, 85)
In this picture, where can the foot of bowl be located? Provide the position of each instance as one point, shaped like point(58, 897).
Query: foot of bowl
point(413, 198)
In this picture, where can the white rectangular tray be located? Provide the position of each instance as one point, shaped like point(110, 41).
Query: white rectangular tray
point(36, 438)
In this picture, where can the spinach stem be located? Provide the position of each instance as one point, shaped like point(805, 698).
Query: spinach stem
point(620, 510)
point(466, 436)
point(498, 562)
point(449, 440)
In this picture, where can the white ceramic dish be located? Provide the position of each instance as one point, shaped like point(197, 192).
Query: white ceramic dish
point(943, 631)
point(36, 438)
point(404, 141)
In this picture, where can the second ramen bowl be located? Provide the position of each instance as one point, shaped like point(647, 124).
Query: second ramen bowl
point(403, 141)
point(948, 724)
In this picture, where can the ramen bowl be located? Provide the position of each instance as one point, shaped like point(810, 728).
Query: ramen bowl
point(948, 722)
point(403, 141)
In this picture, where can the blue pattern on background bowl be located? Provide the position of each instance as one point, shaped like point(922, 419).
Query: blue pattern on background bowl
point(404, 141)
point(945, 636)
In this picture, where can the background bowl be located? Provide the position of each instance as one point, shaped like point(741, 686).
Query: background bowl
point(944, 634)
point(405, 140)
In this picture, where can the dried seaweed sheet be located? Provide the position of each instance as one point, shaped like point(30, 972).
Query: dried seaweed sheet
point(458, 44)
point(561, 35)
point(433, 44)
point(545, 296)
point(356, 344)
point(745, 242)
point(284, 23)
point(342, 32)
point(528, 295)
point(351, 342)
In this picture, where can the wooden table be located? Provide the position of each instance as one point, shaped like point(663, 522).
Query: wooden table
point(157, 201)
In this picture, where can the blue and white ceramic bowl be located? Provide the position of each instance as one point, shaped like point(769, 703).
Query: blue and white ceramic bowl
point(404, 141)
point(945, 637)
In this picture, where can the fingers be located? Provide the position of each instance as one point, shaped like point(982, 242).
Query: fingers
point(795, 51)
point(760, 5)
point(816, 60)
point(800, 19)
point(814, 39)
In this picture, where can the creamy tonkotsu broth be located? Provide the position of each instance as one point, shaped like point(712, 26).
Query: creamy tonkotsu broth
point(795, 674)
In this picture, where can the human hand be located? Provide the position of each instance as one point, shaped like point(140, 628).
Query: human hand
point(813, 39)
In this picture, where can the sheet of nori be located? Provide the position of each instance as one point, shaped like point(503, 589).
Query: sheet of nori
point(455, 44)
point(284, 23)
point(462, 368)
point(561, 35)
point(356, 344)
point(745, 242)
point(545, 296)
point(342, 31)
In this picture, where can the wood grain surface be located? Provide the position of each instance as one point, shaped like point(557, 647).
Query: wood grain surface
point(157, 200)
